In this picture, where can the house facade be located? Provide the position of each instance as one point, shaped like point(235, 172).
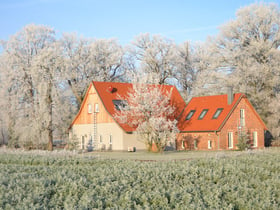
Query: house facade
point(205, 123)
point(95, 124)
point(217, 122)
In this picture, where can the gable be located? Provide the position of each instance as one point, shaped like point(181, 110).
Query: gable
point(211, 113)
point(111, 92)
point(108, 94)
point(251, 120)
point(84, 116)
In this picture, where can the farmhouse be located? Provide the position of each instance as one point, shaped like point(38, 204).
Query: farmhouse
point(205, 123)
point(216, 123)
point(96, 125)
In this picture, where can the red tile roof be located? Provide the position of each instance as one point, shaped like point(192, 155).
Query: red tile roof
point(109, 91)
point(212, 103)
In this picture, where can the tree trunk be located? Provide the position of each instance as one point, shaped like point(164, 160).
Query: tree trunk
point(50, 113)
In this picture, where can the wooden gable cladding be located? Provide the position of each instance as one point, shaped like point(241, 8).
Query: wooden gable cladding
point(109, 91)
point(92, 98)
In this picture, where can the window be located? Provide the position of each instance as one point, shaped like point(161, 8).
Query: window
point(120, 104)
point(255, 139)
point(191, 113)
point(242, 117)
point(83, 142)
point(96, 108)
point(209, 144)
point(202, 114)
point(90, 140)
point(100, 139)
point(217, 113)
point(183, 144)
point(89, 108)
point(230, 140)
point(195, 144)
point(111, 139)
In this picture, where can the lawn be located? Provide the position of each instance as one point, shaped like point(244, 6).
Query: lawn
point(122, 180)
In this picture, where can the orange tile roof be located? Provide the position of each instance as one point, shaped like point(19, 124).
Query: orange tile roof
point(212, 103)
point(109, 91)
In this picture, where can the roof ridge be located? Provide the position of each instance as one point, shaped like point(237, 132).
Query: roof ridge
point(133, 83)
point(216, 95)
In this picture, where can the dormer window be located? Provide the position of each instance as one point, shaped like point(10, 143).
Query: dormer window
point(202, 114)
point(120, 104)
point(217, 113)
point(191, 113)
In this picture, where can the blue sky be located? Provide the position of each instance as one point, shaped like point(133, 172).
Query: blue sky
point(179, 20)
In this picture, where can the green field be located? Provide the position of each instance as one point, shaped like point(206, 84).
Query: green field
point(115, 180)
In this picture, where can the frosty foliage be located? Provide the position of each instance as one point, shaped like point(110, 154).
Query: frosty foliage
point(21, 53)
point(156, 55)
point(150, 112)
point(246, 56)
point(86, 60)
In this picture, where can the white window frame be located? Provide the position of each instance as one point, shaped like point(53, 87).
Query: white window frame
point(111, 139)
point(90, 141)
point(230, 140)
point(209, 144)
point(255, 139)
point(100, 139)
point(83, 142)
point(195, 144)
point(89, 108)
point(96, 107)
point(242, 117)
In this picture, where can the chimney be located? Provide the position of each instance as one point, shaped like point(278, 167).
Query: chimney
point(229, 95)
point(110, 89)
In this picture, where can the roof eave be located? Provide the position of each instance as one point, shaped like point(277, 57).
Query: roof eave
point(197, 131)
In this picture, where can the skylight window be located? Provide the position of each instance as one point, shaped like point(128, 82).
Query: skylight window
point(202, 114)
point(191, 113)
point(217, 113)
point(120, 104)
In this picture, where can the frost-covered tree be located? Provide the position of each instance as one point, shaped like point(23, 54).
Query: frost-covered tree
point(247, 51)
point(78, 71)
point(48, 67)
point(193, 63)
point(19, 52)
point(3, 104)
point(147, 108)
point(274, 120)
point(107, 58)
point(156, 55)
point(86, 60)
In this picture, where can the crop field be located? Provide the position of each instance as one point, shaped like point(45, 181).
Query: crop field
point(189, 180)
